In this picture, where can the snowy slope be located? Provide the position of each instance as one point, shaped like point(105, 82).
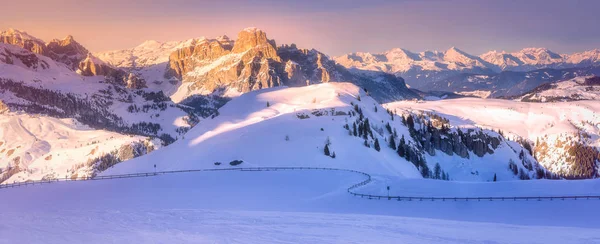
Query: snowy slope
point(246, 129)
point(46, 104)
point(556, 124)
point(47, 148)
point(287, 207)
point(249, 130)
point(580, 88)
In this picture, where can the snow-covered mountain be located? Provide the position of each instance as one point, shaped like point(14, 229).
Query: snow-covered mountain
point(61, 122)
point(580, 88)
point(421, 69)
point(564, 136)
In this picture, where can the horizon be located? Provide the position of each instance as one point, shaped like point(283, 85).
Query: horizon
point(333, 27)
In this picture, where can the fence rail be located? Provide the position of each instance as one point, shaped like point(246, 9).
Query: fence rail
point(350, 189)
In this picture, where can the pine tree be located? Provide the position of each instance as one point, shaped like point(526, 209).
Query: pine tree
point(268, 104)
point(360, 130)
point(354, 129)
point(437, 171)
point(326, 150)
point(366, 143)
point(333, 155)
point(392, 142)
point(401, 147)
point(494, 177)
point(389, 128)
point(400, 151)
point(410, 122)
point(376, 146)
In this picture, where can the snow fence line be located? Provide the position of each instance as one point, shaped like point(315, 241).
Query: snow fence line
point(350, 189)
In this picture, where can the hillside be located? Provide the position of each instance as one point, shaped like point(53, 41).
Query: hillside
point(291, 126)
point(40, 147)
point(580, 88)
point(55, 114)
point(564, 136)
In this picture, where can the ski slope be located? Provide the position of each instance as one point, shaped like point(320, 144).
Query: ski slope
point(277, 207)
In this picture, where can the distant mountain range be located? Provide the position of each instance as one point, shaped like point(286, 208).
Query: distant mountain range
point(434, 70)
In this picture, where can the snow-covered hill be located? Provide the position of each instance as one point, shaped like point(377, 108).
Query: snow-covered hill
point(580, 88)
point(34, 147)
point(291, 126)
point(565, 136)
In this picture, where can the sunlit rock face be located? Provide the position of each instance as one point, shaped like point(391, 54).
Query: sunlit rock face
point(249, 63)
point(23, 40)
point(67, 51)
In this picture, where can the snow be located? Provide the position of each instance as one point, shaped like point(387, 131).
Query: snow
point(567, 90)
point(528, 120)
point(546, 122)
point(247, 120)
point(51, 147)
point(278, 207)
point(408, 64)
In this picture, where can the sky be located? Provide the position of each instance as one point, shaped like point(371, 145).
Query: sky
point(334, 27)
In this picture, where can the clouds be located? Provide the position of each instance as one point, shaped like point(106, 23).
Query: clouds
point(333, 26)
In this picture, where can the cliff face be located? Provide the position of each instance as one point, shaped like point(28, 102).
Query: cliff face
point(16, 56)
point(251, 62)
point(23, 40)
point(92, 66)
point(67, 51)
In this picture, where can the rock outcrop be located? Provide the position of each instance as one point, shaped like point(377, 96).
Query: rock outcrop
point(23, 40)
point(3, 107)
point(254, 62)
point(67, 51)
point(92, 66)
point(17, 56)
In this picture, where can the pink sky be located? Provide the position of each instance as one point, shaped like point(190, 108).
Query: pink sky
point(332, 26)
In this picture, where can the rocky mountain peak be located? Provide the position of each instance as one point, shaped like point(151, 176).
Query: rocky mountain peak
point(67, 51)
point(24, 40)
point(253, 37)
